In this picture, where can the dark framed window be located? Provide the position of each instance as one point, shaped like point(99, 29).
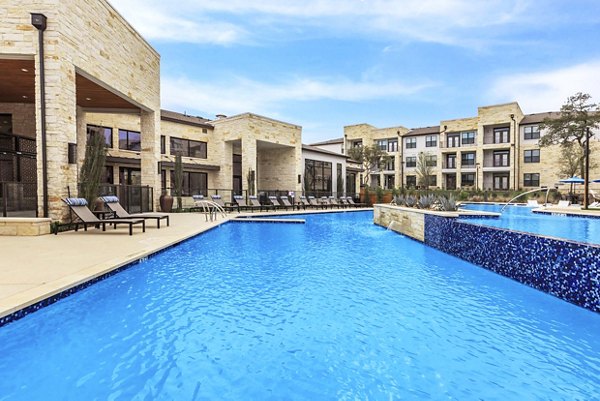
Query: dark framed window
point(501, 135)
point(467, 179)
point(431, 141)
point(532, 156)
point(468, 137)
point(382, 144)
point(390, 164)
point(451, 160)
point(390, 181)
point(6, 124)
point(104, 131)
point(467, 159)
point(130, 140)
point(501, 158)
point(392, 145)
point(453, 140)
point(531, 132)
point(163, 179)
point(411, 143)
point(411, 161)
point(317, 177)
point(500, 181)
point(431, 161)
point(411, 180)
point(188, 148)
point(433, 180)
point(193, 183)
point(357, 144)
point(531, 179)
point(163, 145)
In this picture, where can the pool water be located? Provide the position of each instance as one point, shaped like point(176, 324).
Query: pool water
point(335, 309)
point(521, 218)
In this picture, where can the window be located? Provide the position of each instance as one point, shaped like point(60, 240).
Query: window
point(451, 161)
point(531, 180)
point(431, 141)
point(431, 161)
point(411, 180)
point(411, 161)
point(163, 145)
point(193, 183)
point(501, 135)
point(467, 159)
point(500, 181)
point(433, 180)
point(531, 132)
point(467, 179)
point(357, 144)
point(6, 124)
point(392, 145)
point(107, 176)
point(130, 140)
point(501, 158)
point(104, 131)
point(532, 156)
point(411, 143)
point(390, 181)
point(390, 164)
point(468, 137)
point(453, 140)
point(317, 177)
point(382, 144)
point(187, 147)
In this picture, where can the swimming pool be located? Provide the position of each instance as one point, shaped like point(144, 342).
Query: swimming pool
point(336, 308)
point(521, 218)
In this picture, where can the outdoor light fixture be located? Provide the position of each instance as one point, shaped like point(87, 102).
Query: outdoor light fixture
point(24, 70)
point(72, 153)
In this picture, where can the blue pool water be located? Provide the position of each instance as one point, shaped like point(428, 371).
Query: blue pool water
point(334, 309)
point(521, 218)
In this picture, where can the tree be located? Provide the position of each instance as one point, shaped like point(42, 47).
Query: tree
point(576, 116)
point(424, 171)
point(372, 158)
point(571, 157)
point(92, 167)
point(340, 185)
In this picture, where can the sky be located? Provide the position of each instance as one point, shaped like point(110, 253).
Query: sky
point(325, 64)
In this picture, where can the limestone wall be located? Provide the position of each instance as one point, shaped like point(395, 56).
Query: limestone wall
point(23, 118)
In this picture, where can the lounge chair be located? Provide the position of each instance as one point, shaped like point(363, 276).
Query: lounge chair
point(112, 202)
point(81, 210)
point(256, 203)
point(276, 204)
point(314, 202)
point(286, 202)
point(351, 202)
point(594, 205)
point(533, 203)
point(219, 201)
point(304, 202)
point(324, 201)
point(334, 202)
point(564, 203)
point(242, 205)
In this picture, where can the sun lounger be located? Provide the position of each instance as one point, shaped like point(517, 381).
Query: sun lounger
point(314, 202)
point(219, 201)
point(256, 203)
point(334, 202)
point(112, 202)
point(83, 213)
point(352, 203)
point(242, 205)
point(276, 204)
point(304, 202)
point(533, 203)
point(286, 202)
point(563, 203)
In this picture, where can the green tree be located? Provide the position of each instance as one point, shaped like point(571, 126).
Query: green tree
point(372, 159)
point(576, 116)
point(92, 167)
point(424, 171)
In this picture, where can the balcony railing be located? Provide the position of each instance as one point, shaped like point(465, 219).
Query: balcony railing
point(18, 199)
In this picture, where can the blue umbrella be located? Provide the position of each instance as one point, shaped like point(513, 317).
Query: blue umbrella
point(573, 180)
point(598, 180)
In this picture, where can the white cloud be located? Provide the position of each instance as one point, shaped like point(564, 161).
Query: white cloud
point(548, 90)
point(240, 95)
point(234, 21)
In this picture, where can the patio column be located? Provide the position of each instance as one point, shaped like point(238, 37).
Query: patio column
point(150, 154)
point(249, 155)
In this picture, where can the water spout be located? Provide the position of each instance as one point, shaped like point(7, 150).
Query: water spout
point(389, 227)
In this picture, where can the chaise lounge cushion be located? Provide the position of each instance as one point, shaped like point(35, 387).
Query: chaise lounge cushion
point(76, 201)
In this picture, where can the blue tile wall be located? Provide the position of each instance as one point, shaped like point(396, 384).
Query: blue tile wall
point(566, 269)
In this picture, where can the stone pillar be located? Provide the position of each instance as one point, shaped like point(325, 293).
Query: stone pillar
point(61, 128)
point(223, 179)
point(249, 155)
point(81, 137)
point(150, 154)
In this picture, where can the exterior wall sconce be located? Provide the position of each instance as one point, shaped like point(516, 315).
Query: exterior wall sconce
point(72, 153)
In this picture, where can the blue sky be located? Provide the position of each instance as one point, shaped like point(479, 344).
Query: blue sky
point(326, 64)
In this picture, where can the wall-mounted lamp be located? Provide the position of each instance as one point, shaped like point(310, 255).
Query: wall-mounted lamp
point(72, 153)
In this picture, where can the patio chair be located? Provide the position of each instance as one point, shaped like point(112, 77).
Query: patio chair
point(313, 202)
point(594, 205)
point(324, 201)
point(304, 202)
point(564, 203)
point(286, 202)
point(334, 202)
point(256, 203)
point(351, 202)
point(275, 202)
point(533, 203)
point(219, 201)
point(112, 202)
point(242, 205)
point(87, 217)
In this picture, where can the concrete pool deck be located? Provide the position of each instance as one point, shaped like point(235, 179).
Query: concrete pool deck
point(35, 268)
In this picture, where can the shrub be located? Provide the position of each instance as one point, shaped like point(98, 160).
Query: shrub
point(448, 204)
point(410, 201)
point(426, 201)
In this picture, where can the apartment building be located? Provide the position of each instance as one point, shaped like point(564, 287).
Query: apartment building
point(496, 150)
